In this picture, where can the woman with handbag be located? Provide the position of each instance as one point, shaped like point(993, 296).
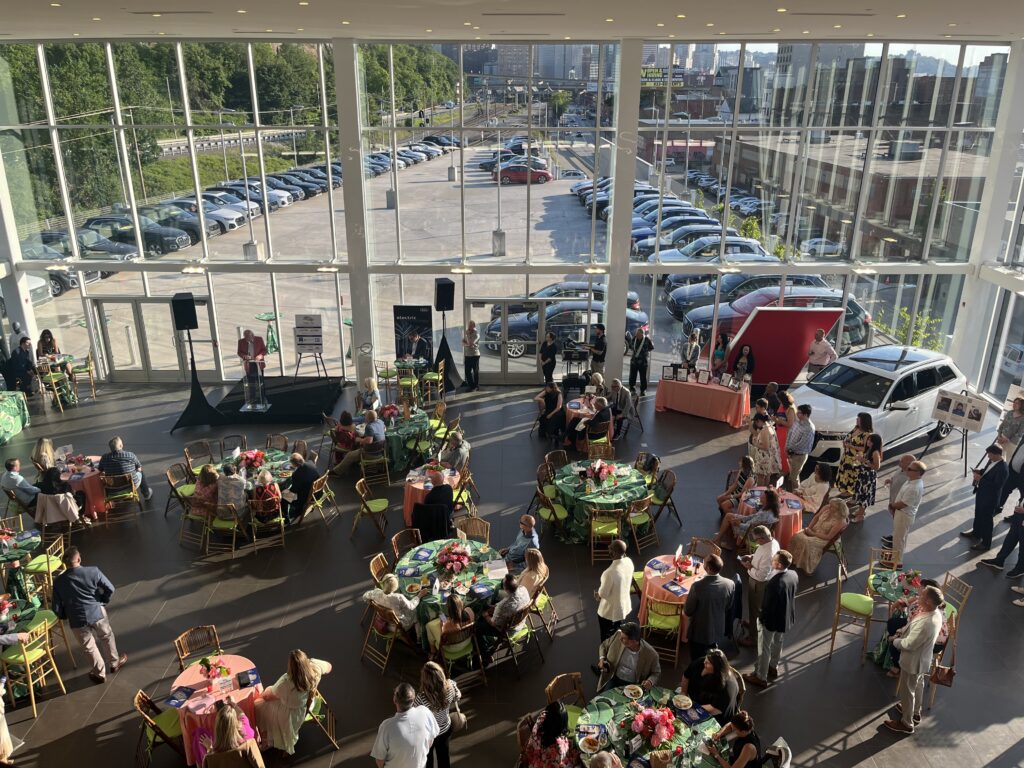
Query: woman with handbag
point(437, 693)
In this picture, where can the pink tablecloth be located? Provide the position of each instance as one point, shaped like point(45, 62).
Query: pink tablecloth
point(91, 484)
point(415, 493)
point(710, 401)
point(193, 678)
point(653, 581)
point(790, 520)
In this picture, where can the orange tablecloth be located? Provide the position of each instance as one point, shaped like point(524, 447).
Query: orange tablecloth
point(415, 493)
point(91, 484)
point(710, 401)
point(653, 581)
point(193, 678)
point(790, 520)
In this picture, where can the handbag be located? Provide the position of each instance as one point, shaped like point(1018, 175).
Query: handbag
point(459, 720)
point(944, 675)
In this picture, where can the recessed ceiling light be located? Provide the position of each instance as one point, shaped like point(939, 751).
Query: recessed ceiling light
point(96, 18)
point(467, 23)
point(609, 19)
point(776, 30)
point(567, 38)
point(671, 35)
point(806, 32)
point(428, 30)
point(710, 24)
point(157, 15)
point(951, 24)
point(721, 33)
point(346, 23)
point(871, 34)
point(240, 10)
point(300, 29)
point(837, 26)
point(781, 10)
point(475, 28)
point(659, 24)
point(303, 2)
point(74, 34)
point(268, 30)
point(161, 33)
point(947, 35)
point(55, 5)
point(901, 15)
point(680, 15)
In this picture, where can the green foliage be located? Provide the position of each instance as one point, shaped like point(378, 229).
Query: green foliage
point(926, 332)
point(700, 198)
point(423, 78)
point(559, 101)
point(751, 228)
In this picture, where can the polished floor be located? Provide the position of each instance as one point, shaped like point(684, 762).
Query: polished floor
point(830, 711)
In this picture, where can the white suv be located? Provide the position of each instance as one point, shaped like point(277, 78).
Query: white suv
point(895, 385)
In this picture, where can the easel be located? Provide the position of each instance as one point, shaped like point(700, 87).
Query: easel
point(963, 438)
point(318, 358)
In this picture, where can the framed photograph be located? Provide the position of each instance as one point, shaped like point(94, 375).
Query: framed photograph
point(668, 373)
point(726, 380)
point(692, 376)
point(703, 376)
point(736, 384)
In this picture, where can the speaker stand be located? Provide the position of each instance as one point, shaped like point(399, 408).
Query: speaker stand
point(198, 412)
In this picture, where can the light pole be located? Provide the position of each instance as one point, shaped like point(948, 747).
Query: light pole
point(138, 155)
point(170, 102)
point(291, 113)
point(223, 144)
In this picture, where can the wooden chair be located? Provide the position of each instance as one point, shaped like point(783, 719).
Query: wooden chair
point(15, 523)
point(856, 609)
point(437, 417)
point(404, 540)
point(85, 368)
point(408, 385)
point(475, 529)
point(663, 621)
point(703, 548)
point(14, 507)
point(662, 491)
point(373, 508)
point(387, 377)
point(197, 641)
point(540, 603)
point(643, 458)
point(319, 711)
point(956, 591)
point(379, 568)
point(266, 523)
point(552, 512)
point(312, 457)
point(52, 379)
point(181, 487)
point(524, 730)
point(197, 454)
point(605, 451)
point(119, 490)
point(228, 443)
point(442, 433)
point(159, 726)
point(641, 524)
point(300, 447)
point(29, 663)
point(381, 635)
point(545, 485)
point(277, 442)
point(55, 626)
point(373, 463)
point(568, 689)
point(462, 495)
point(513, 639)
point(433, 382)
point(605, 527)
point(556, 459)
point(225, 521)
point(462, 645)
point(43, 569)
point(329, 424)
point(321, 500)
point(883, 559)
point(195, 514)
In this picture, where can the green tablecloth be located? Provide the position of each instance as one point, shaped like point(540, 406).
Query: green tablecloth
point(14, 415)
point(23, 549)
point(612, 706)
point(276, 462)
point(887, 584)
point(396, 437)
point(480, 594)
point(617, 494)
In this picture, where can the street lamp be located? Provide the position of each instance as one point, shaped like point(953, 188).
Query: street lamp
point(223, 146)
point(291, 113)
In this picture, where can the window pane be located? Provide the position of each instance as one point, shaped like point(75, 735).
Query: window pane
point(310, 295)
point(981, 85)
point(79, 82)
point(959, 201)
point(147, 81)
point(218, 83)
point(845, 84)
point(822, 221)
point(240, 297)
point(792, 65)
point(919, 90)
point(20, 85)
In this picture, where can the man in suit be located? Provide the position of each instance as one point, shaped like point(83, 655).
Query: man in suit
point(22, 367)
point(626, 658)
point(304, 474)
point(708, 605)
point(1015, 478)
point(915, 642)
point(778, 615)
point(80, 595)
point(252, 351)
point(418, 347)
point(988, 490)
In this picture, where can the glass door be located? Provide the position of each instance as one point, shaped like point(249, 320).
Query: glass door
point(510, 333)
point(119, 326)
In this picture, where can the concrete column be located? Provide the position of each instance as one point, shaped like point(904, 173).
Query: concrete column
point(977, 304)
point(627, 108)
point(346, 80)
point(13, 284)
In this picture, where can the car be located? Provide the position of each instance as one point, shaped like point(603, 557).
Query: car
point(59, 281)
point(668, 225)
point(444, 141)
point(416, 157)
point(292, 188)
point(733, 314)
point(429, 149)
point(156, 239)
point(249, 193)
point(517, 174)
point(572, 173)
point(585, 186)
point(733, 260)
point(226, 218)
point(309, 177)
point(535, 162)
point(334, 181)
point(568, 289)
point(677, 239)
point(566, 319)
point(449, 105)
point(649, 204)
point(681, 298)
point(173, 216)
point(91, 245)
point(820, 246)
point(895, 385)
point(230, 200)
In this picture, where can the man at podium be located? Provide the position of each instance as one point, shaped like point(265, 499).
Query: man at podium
point(252, 351)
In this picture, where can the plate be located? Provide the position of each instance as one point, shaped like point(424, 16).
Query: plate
point(590, 744)
point(633, 691)
point(411, 588)
point(681, 701)
point(461, 589)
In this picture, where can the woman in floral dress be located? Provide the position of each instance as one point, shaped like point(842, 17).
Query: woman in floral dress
point(867, 477)
point(549, 746)
point(853, 453)
point(767, 457)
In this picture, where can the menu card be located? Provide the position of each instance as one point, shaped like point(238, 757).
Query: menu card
point(495, 569)
point(676, 589)
point(408, 571)
point(179, 696)
point(423, 554)
point(693, 715)
point(657, 565)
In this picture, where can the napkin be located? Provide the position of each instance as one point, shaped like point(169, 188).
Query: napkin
point(408, 570)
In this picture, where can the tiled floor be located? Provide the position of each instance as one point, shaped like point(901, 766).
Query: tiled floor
point(308, 596)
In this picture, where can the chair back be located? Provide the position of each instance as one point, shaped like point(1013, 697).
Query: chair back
point(956, 591)
point(524, 730)
point(439, 411)
point(197, 453)
point(228, 443)
point(566, 686)
point(299, 446)
point(703, 548)
point(384, 369)
point(545, 475)
point(176, 474)
point(119, 482)
point(518, 618)
point(599, 431)
point(363, 490)
point(379, 567)
point(600, 451)
point(277, 442)
point(319, 487)
point(667, 481)
point(475, 528)
point(374, 451)
point(12, 523)
point(882, 558)
point(195, 641)
point(329, 422)
point(640, 506)
point(269, 507)
point(453, 425)
point(404, 540)
point(556, 459)
point(458, 637)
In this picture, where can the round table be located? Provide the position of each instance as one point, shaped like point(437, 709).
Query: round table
point(611, 707)
point(655, 580)
point(397, 436)
point(417, 567)
point(199, 711)
point(791, 511)
point(278, 463)
point(579, 408)
point(628, 486)
point(894, 585)
point(415, 493)
point(19, 550)
point(89, 481)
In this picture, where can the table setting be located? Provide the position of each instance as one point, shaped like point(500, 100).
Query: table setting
point(398, 430)
point(596, 483)
point(669, 578)
point(900, 584)
point(251, 463)
point(418, 485)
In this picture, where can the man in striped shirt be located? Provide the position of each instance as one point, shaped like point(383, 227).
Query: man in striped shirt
point(118, 461)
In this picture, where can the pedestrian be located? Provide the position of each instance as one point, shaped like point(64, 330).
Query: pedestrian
point(640, 349)
point(1015, 477)
point(915, 643)
point(799, 442)
point(759, 568)
point(988, 490)
point(708, 606)
point(81, 595)
point(820, 354)
point(471, 356)
point(404, 740)
point(778, 615)
point(614, 603)
point(904, 506)
point(598, 350)
point(1013, 538)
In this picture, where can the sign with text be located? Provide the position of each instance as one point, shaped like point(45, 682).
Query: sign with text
point(409, 319)
point(309, 337)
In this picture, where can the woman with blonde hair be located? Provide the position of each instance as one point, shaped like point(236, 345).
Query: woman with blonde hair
point(536, 572)
point(42, 455)
point(368, 398)
point(388, 595)
point(808, 546)
point(282, 707)
point(438, 693)
point(234, 740)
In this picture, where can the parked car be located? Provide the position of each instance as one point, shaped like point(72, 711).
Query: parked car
point(226, 219)
point(91, 245)
point(677, 220)
point(230, 200)
point(733, 259)
point(681, 298)
point(536, 163)
point(517, 174)
point(820, 246)
point(293, 189)
point(566, 319)
point(247, 193)
point(585, 186)
point(428, 149)
point(334, 181)
point(678, 239)
point(444, 141)
point(572, 173)
point(307, 177)
point(173, 216)
point(895, 385)
point(58, 281)
point(569, 289)
point(156, 239)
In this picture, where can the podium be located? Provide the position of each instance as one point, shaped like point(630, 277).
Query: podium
point(253, 389)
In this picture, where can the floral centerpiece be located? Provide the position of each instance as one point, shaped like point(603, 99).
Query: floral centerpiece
point(389, 412)
point(251, 459)
point(6, 606)
point(657, 726)
point(601, 471)
point(452, 559)
point(908, 580)
point(683, 564)
point(433, 467)
point(213, 668)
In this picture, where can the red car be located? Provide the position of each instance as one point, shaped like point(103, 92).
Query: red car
point(517, 174)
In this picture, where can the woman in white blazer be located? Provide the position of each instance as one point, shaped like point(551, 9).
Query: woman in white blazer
point(916, 644)
point(614, 604)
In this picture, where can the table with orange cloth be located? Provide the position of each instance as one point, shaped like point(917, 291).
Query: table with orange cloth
point(193, 677)
point(711, 401)
point(791, 513)
point(654, 582)
point(89, 481)
point(415, 493)
point(581, 408)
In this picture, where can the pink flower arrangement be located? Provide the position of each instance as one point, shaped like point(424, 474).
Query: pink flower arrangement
point(911, 578)
point(655, 725)
point(213, 668)
point(600, 471)
point(453, 558)
point(251, 459)
point(389, 411)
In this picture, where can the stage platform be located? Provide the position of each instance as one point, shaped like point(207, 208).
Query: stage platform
point(292, 401)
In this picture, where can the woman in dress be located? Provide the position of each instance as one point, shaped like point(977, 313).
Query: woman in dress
point(744, 363)
point(867, 478)
point(282, 707)
point(234, 741)
point(729, 501)
point(205, 496)
point(552, 417)
point(808, 546)
point(744, 748)
point(344, 438)
point(783, 421)
point(1011, 428)
point(767, 515)
point(718, 355)
point(812, 490)
point(368, 398)
point(767, 457)
point(853, 452)
point(549, 745)
point(536, 573)
point(43, 455)
point(456, 618)
point(437, 693)
point(48, 346)
point(712, 683)
point(266, 497)
point(548, 356)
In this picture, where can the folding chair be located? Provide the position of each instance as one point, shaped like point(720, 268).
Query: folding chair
point(321, 500)
point(300, 447)
point(387, 375)
point(643, 459)
point(118, 490)
point(379, 568)
point(956, 591)
point(641, 524)
point(224, 521)
point(375, 509)
point(43, 569)
point(605, 527)
point(52, 380)
point(181, 487)
point(199, 514)
point(568, 687)
point(513, 638)
point(86, 368)
point(159, 726)
point(54, 626)
point(373, 463)
point(881, 558)
point(266, 523)
point(404, 540)
point(197, 454)
point(541, 602)
point(662, 495)
point(197, 641)
point(663, 619)
point(437, 417)
point(14, 507)
point(462, 645)
point(29, 663)
point(857, 609)
point(329, 424)
point(277, 442)
point(605, 451)
point(381, 635)
point(319, 712)
point(545, 485)
point(433, 382)
point(475, 529)
point(703, 548)
point(556, 459)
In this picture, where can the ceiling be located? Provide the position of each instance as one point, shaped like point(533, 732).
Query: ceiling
point(983, 21)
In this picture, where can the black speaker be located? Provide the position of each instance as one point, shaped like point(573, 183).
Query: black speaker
point(183, 305)
point(444, 294)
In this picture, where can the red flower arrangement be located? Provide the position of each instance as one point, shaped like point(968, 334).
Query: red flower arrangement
point(910, 578)
point(453, 558)
point(655, 725)
point(389, 411)
point(601, 471)
point(251, 459)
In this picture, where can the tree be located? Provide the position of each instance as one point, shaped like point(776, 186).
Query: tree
point(559, 101)
point(751, 228)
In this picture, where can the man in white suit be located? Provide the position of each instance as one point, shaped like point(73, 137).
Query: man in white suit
point(915, 645)
point(614, 604)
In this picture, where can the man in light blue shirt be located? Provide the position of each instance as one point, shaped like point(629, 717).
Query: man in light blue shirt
point(799, 442)
point(13, 480)
point(526, 538)
point(373, 433)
